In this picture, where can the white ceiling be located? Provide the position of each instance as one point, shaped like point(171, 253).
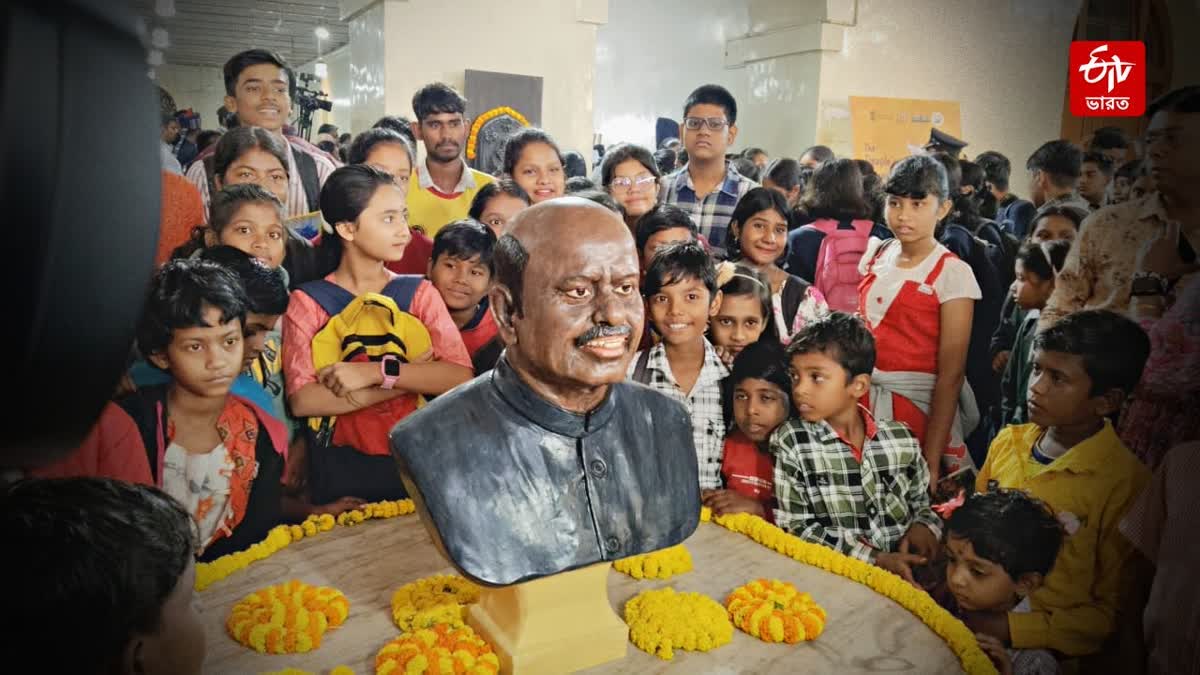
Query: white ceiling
point(208, 32)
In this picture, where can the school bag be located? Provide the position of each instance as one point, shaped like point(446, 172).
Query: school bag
point(366, 328)
point(1007, 245)
point(836, 273)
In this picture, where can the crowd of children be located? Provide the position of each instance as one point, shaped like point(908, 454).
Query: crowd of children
point(818, 329)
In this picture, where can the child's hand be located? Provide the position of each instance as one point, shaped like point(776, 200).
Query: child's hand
point(996, 652)
point(919, 539)
point(900, 564)
point(340, 506)
point(724, 502)
point(726, 354)
point(346, 377)
point(295, 470)
point(1000, 360)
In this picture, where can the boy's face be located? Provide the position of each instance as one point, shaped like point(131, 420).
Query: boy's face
point(1120, 189)
point(462, 283)
point(662, 238)
point(204, 360)
point(257, 328)
point(261, 97)
point(444, 135)
point(759, 407)
point(706, 143)
point(980, 585)
point(820, 389)
point(680, 311)
point(1092, 182)
point(738, 322)
point(177, 647)
point(1060, 392)
point(256, 231)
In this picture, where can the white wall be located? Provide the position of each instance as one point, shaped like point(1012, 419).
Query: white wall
point(1004, 62)
point(200, 88)
point(651, 55)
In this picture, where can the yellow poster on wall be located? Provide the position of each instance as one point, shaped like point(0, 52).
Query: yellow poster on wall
point(888, 129)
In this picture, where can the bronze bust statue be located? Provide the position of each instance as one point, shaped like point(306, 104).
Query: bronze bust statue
point(552, 461)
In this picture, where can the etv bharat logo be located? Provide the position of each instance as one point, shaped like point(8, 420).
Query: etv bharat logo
point(1108, 79)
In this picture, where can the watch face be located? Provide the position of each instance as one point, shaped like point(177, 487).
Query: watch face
point(391, 367)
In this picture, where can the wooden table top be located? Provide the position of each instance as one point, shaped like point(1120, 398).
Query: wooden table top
point(865, 631)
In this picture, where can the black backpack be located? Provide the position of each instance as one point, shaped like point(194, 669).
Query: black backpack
point(1007, 244)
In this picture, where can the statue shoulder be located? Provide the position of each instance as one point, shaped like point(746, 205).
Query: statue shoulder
point(662, 408)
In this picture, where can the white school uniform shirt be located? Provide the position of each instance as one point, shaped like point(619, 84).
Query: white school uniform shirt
point(955, 281)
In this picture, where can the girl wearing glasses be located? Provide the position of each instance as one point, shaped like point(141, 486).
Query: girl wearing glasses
point(630, 174)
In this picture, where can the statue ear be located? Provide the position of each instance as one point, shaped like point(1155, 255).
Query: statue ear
point(504, 313)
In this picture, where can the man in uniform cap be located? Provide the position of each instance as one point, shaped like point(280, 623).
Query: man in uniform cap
point(940, 141)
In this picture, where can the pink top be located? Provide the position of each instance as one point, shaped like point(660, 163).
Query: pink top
point(305, 318)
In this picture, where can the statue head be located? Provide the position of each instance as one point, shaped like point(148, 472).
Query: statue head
point(566, 300)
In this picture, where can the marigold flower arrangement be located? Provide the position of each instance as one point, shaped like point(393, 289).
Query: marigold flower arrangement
point(956, 634)
point(337, 670)
point(438, 650)
point(661, 564)
point(662, 620)
point(775, 611)
point(473, 138)
point(440, 599)
point(281, 536)
point(288, 618)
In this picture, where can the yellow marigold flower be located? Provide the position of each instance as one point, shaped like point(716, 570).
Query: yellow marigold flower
point(440, 649)
point(288, 618)
point(342, 670)
point(662, 564)
point(662, 620)
point(433, 600)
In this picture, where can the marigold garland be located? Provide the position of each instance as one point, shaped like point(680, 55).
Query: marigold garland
point(337, 670)
point(473, 138)
point(439, 650)
point(661, 564)
point(955, 633)
point(281, 536)
point(774, 611)
point(440, 599)
point(288, 618)
point(662, 620)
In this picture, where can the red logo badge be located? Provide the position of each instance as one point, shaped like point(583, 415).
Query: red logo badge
point(1108, 79)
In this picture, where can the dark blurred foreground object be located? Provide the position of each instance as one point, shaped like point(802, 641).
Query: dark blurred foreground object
point(82, 203)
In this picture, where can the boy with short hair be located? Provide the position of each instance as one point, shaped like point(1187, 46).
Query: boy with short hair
point(1070, 457)
point(999, 547)
point(660, 226)
point(108, 563)
point(461, 270)
point(707, 187)
point(681, 294)
point(842, 479)
point(1012, 213)
point(440, 190)
point(1054, 170)
point(1095, 173)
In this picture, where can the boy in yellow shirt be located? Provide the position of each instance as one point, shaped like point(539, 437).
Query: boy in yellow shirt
point(1070, 458)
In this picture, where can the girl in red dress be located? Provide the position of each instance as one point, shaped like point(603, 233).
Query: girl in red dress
point(918, 299)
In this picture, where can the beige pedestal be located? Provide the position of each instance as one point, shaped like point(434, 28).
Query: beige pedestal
point(557, 624)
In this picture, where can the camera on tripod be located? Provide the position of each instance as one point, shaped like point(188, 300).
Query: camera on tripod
point(309, 99)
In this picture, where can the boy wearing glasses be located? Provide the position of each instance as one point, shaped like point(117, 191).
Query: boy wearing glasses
point(707, 187)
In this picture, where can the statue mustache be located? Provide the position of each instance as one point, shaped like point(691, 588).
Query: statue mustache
point(597, 332)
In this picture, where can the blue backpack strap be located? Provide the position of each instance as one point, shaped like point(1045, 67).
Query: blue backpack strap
point(331, 297)
point(402, 289)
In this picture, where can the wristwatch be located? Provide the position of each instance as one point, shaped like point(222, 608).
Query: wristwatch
point(1148, 284)
point(389, 365)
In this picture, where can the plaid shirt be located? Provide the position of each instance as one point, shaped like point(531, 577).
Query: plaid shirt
point(825, 496)
point(703, 404)
point(712, 213)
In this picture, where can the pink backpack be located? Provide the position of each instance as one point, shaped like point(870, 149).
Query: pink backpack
point(836, 272)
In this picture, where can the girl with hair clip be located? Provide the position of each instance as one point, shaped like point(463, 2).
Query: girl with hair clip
point(918, 299)
point(745, 313)
point(365, 228)
point(757, 238)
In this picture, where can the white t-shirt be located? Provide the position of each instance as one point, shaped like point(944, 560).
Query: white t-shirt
point(955, 281)
point(199, 481)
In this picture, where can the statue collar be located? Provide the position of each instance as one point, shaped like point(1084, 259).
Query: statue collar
point(545, 414)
